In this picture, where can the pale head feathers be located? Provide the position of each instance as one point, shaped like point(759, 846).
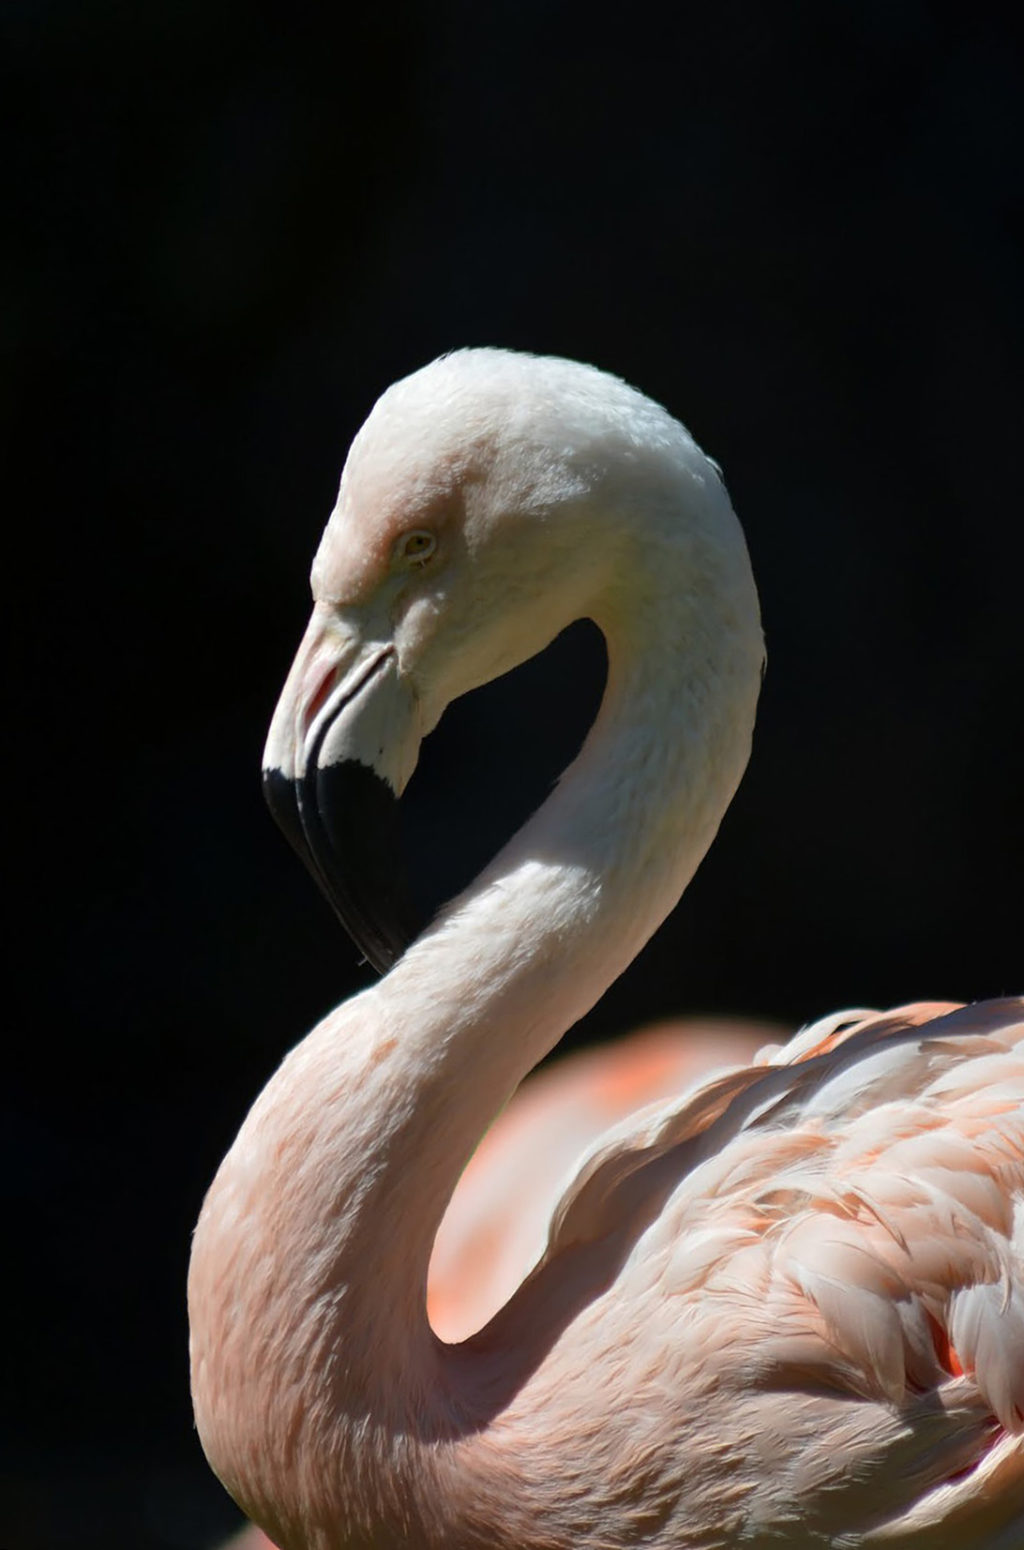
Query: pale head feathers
point(549, 491)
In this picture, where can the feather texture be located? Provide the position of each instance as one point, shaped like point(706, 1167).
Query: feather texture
point(783, 1306)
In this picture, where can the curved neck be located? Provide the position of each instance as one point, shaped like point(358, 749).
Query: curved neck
point(560, 913)
point(325, 1210)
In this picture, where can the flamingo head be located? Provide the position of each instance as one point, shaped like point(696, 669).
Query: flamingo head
point(480, 511)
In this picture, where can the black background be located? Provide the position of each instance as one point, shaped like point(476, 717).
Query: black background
point(796, 225)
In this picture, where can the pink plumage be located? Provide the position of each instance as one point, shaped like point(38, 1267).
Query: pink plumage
point(780, 1302)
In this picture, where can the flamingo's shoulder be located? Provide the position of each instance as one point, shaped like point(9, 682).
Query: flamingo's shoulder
point(822, 1255)
point(856, 1201)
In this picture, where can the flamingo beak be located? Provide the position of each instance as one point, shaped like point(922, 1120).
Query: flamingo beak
point(342, 744)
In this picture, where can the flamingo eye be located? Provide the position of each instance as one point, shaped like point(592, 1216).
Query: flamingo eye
point(415, 548)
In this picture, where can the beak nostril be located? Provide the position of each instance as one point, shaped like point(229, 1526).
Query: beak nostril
point(319, 698)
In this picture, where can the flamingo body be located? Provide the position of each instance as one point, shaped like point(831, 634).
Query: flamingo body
point(784, 1305)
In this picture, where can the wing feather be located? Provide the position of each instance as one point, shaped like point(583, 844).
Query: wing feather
point(860, 1195)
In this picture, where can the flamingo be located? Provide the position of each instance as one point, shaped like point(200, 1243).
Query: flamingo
point(783, 1305)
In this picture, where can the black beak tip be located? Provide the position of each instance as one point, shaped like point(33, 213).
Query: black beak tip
point(343, 822)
